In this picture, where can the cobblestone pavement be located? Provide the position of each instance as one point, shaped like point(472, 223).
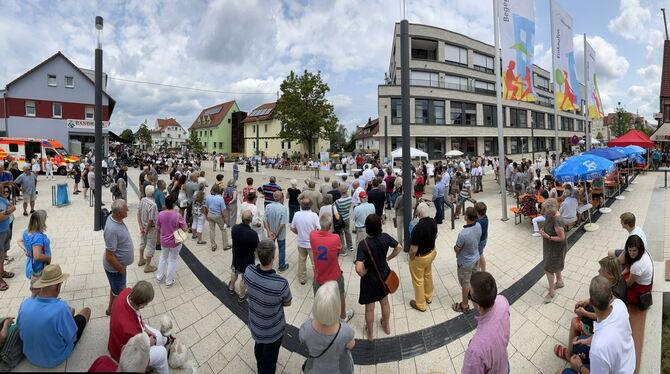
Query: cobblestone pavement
point(220, 342)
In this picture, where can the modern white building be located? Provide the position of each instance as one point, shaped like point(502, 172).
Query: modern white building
point(168, 133)
point(453, 102)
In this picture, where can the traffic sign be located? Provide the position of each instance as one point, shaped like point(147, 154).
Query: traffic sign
point(574, 140)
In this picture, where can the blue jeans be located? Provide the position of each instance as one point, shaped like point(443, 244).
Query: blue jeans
point(281, 245)
point(291, 211)
point(439, 209)
point(388, 200)
point(117, 282)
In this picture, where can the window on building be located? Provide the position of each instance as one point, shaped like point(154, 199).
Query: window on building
point(254, 144)
point(517, 118)
point(483, 62)
point(456, 110)
point(89, 112)
point(666, 113)
point(204, 144)
point(266, 145)
point(580, 125)
point(470, 114)
point(420, 111)
point(69, 82)
point(289, 145)
point(518, 144)
point(550, 144)
point(490, 115)
point(567, 124)
point(550, 121)
point(30, 108)
point(266, 128)
point(545, 101)
point(424, 49)
point(485, 87)
point(422, 144)
point(456, 83)
point(490, 146)
point(539, 144)
point(438, 111)
point(210, 132)
point(253, 129)
point(221, 145)
point(282, 145)
point(541, 82)
point(51, 80)
point(454, 54)
point(396, 111)
point(424, 78)
point(537, 119)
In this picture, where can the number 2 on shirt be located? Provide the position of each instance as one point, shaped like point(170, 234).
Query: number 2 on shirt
point(322, 253)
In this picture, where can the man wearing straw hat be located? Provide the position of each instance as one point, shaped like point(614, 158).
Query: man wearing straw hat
point(47, 325)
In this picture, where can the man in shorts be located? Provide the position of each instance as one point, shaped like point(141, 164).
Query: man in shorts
point(325, 251)
point(467, 256)
point(28, 185)
point(119, 250)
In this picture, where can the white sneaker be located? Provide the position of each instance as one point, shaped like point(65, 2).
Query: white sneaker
point(536, 234)
point(348, 315)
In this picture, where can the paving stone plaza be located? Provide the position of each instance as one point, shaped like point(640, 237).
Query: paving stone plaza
point(212, 323)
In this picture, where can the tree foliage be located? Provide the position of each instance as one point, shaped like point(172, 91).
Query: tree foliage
point(621, 122)
point(127, 135)
point(144, 135)
point(304, 110)
point(600, 136)
point(338, 138)
point(194, 143)
point(641, 126)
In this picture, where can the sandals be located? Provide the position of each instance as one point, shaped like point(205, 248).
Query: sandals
point(3, 285)
point(9, 260)
point(7, 274)
point(458, 308)
point(561, 352)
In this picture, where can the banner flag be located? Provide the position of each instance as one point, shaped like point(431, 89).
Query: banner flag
point(594, 105)
point(324, 161)
point(517, 32)
point(568, 96)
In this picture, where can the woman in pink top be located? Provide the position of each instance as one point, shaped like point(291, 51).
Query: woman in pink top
point(167, 222)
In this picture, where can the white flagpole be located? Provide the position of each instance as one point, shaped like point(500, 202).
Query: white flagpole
point(501, 139)
point(587, 124)
point(553, 73)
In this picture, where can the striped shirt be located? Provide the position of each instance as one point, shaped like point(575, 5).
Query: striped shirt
point(343, 205)
point(268, 191)
point(267, 292)
point(147, 211)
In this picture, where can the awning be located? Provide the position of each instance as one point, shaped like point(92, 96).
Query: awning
point(632, 137)
point(414, 153)
point(662, 134)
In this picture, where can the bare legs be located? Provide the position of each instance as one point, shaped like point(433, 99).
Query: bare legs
point(370, 316)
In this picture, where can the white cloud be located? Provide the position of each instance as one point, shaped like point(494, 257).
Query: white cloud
point(340, 101)
point(632, 22)
point(650, 74)
point(610, 65)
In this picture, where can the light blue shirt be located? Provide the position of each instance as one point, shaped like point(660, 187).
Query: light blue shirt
point(438, 190)
point(4, 225)
point(275, 215)
point(215, 204)
point(362, 212)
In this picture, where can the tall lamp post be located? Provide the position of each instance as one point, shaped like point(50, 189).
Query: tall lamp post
point(258, 145)
point(97, 224)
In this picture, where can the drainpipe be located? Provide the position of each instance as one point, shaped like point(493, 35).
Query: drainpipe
point(4, 102)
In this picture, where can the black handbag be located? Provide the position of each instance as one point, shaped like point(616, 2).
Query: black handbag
point(644, 300)
point(338, 223)
point(325, 350)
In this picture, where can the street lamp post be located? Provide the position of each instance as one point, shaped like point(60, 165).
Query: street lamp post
point(258, 145)
point(97, 224)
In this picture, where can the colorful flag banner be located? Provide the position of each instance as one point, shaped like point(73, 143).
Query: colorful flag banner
point(594, 105)
point(568, 96)
point(517, 34)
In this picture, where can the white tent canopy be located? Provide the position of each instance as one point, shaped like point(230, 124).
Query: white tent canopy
point(414, 153)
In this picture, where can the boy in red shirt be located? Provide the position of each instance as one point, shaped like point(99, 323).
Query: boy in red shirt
point(325, 252)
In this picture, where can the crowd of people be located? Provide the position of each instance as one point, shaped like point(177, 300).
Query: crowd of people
point(330, 221)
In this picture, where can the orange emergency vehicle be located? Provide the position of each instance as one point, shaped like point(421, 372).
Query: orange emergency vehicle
point(23, 150)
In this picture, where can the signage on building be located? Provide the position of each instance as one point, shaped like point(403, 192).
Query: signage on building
point(574, 140)
point(84, 124)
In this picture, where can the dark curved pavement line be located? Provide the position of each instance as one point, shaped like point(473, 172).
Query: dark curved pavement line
point(382, 350)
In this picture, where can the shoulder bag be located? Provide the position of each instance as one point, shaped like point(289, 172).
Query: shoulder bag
point(179, 234)
point(644, 300)
point(325, 350)
point(338, 223)
point(391, 282)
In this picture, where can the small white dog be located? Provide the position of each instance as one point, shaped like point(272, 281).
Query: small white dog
point(178, 355)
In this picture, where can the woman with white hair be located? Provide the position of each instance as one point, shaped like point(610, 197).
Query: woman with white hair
point(134, 357)
point(328, 340)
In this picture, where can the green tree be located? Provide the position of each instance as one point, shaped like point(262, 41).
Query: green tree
point(127, 135)
point(194, 143)
point(338, 138)
point(350, 145)
point(641, 126)
point(600, 136)
point(621, 122)
point(144, 135)
point(303, 109)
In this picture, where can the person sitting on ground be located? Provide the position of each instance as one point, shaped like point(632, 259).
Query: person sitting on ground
point(126, 322)
point(638, 268)
point(328, 339)
point(47, 325)
point(467, 257)
point(612, 348)
point(487, 350)
point(326, 247)
point(582, 324)
point(134, 357)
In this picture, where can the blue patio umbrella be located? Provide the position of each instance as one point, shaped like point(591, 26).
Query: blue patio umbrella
point(582, 168)
point(637, 148)
point(612, 154)
point(630, 153)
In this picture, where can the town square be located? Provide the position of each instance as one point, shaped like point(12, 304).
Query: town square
point(221, 187)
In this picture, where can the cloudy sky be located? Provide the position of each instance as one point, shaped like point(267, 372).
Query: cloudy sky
point(245, 48)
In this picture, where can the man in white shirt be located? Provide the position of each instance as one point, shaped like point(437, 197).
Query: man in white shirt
point(304, 222)
point(355, 199)
point(612, 348)
point(628, 223)
point(368, 174)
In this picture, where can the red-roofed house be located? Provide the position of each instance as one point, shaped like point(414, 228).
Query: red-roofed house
point(261, 119)
point(364, 137)
point(167, 132)
point(220, 128)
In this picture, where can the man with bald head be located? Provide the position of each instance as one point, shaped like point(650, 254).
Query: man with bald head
point(275, 221)
point(245, 241)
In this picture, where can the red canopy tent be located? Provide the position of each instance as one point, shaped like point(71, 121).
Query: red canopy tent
point(632, 137)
